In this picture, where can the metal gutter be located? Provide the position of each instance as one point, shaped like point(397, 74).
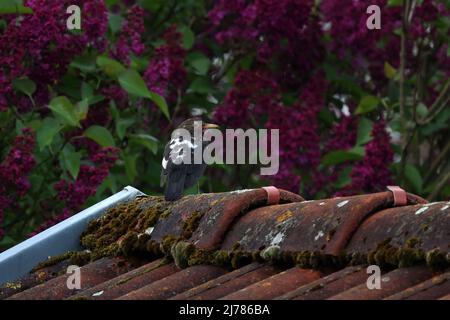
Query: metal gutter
point(62, 237)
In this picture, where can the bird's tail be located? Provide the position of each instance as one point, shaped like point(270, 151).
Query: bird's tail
point(174, 190)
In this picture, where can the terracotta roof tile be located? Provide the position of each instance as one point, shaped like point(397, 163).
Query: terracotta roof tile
point(129, 281)
point(433, 288)
point(428, 223)
point(325, 225)
point(391, 282)
point(92, 274)
point(229, 283)
point(276, 285)
point(330, 285)
point(235, 245)
point(175, 283)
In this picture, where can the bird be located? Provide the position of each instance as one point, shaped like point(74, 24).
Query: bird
point(176, 176)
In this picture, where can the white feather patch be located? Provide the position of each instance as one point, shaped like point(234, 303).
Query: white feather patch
point(164, 163)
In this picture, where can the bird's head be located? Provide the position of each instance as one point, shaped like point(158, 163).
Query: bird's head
point(193, 123)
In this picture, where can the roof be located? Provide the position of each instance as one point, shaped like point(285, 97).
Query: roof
point(255, 244)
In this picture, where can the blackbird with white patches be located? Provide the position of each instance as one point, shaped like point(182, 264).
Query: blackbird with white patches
point(176, 175)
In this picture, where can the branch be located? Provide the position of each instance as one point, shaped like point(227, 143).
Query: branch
point(406, 6)
point(441, 184)
point(438, 105)
point(442, 155)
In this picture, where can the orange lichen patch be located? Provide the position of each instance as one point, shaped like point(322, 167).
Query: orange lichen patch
point(284, 216)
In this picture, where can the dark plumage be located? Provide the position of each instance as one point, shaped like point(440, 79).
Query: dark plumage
point(177, 177)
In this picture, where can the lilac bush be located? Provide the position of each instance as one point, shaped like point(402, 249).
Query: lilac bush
point(84, 113)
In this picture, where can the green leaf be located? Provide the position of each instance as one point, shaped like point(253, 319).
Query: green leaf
point(340, 156)
point(64, 109)
point(364, 131)
point(7, 242)
point(99, 134)
point(110, 66)
point(14, 7)
point(132, 82)
point(25, 85)
point(45, 134)
point(148, 141)
point(368, 103)
point(71, 160)
point(139, 63)
point(422, 110)
point(199, 62)
point(122, 124)
point(413, 175)
point(115, 22)
point(95, 99)
point(161, 103)
point(130, 166)
point(344, 178)
point(395, 3)
point(201, 85)
point(82, 109)
point(87, 93)
point(86, 90)
point(389, 71)
point(85, 63)
point(188, 37)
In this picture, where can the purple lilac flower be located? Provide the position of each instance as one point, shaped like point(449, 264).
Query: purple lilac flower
point(40, 47)
point(130, 37)
point(14, 170)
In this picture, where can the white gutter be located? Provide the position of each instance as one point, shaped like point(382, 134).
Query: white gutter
point(58, 239)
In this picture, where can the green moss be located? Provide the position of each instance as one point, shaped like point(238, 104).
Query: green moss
point(302, 259)
point(127, 243)
point(408, 257)
point(165, 214)
point(200, 256)
point(191, 224)
point(236, 246)
point(181, 252)
point(412, 243)
point(436, 260)
point(51, 261)
point(287, 258)
point(153, 247)
point(80, 258)
point(222, 258)
point(315, 260)
point(272, 253)
point(125, 223)
point(356, 259)
point(166, 244)
point(240, 259)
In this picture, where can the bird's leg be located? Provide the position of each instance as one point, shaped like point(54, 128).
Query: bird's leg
point(198, 187)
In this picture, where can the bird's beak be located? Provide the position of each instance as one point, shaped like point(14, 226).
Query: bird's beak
point(210, 126)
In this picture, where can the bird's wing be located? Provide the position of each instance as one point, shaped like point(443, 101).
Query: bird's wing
point(175, 181)
point(164, 163)
point(175, 167)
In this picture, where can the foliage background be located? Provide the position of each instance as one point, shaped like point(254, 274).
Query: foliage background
point(85, 113)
